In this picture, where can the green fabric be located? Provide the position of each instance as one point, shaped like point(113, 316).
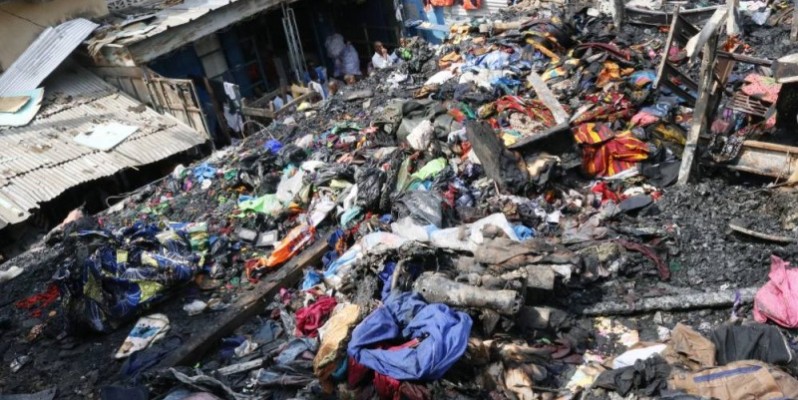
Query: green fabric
point(430, 170)
point(403, 179)
point(266, 204)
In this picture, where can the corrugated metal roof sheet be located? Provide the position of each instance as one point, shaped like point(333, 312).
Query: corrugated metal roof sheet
point(159, 19)
point(44, 55)
point(40, 161)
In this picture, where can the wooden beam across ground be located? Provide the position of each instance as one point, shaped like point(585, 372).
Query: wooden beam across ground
point(247, 307)
point(547, 97)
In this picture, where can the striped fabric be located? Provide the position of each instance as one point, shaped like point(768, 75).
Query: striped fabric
point(605, 153)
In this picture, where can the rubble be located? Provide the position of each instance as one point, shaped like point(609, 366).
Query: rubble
point(494, 217)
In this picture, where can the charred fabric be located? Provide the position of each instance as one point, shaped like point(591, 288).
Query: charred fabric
point(494, 217)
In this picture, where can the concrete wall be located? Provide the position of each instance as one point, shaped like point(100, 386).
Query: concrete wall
point(21, 21)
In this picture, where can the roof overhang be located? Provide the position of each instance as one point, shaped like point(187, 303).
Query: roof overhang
point(177, 28)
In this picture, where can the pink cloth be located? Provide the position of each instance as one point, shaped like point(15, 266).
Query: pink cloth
point(643, 118)
point(778, 299)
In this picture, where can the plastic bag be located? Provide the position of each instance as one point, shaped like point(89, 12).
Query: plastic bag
point(292, 243)
point(369, 187)
point(420, 137)
point(423, 207)
point(266, 204)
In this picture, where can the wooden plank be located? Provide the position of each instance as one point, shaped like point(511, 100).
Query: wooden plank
point(711, 28)
point(668, 44)
point(527, 140)
point(172, 39)
point(547, 97)
point(785, 69)
point(746, 59)
point(794, 30)
point(126, 72)
point(618, 13)
point(245, 308)
point(732, 26)
point(499, 164)
point(257, 112)
point(660, 18)
point(294, 102)
point(700, 113)
point(738, 227)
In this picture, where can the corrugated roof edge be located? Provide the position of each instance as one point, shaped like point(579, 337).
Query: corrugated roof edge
point(40, 185)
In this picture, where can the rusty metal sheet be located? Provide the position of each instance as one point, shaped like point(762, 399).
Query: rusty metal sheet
point(43, 161)
point(768, 159)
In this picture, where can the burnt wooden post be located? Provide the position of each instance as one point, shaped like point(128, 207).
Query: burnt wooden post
point(700, 117)
point(732, 24)
point(618, 13)
point(794, 31)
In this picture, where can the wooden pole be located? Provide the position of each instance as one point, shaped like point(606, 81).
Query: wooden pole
point(618, 13)
point(701, 107)
point(732, 25)
point(794, 31)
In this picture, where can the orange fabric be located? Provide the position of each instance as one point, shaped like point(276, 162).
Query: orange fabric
point(441, 3)
point(472, 4)
point(605, 153)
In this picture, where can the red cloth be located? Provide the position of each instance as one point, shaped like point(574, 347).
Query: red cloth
point(39, 301)
point(606, 153)
point(606, 193)
point(387, 388)
point(309, 319)
point(356, 373)
point(778, 299)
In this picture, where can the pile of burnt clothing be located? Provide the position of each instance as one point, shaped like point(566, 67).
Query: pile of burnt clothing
point(472, 201)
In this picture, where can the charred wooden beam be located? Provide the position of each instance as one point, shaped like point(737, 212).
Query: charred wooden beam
point(245, 308)
point(506, 168)
point(660, 18)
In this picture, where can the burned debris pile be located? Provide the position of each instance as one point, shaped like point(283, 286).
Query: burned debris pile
point(550, 206)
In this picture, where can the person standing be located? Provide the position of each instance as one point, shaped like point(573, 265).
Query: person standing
point(344, 56)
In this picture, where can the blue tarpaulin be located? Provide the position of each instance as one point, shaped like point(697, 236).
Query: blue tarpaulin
point(442, 332)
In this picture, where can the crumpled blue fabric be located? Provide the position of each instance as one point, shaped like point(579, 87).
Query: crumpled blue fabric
point(349, 256)
point(203, 172)
point(494, 60)
point(273, 145)
point(506, 81)
point(296, 347)
point(662, 108)
point(524, 232)
point(443, 335)
point(312, 278)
